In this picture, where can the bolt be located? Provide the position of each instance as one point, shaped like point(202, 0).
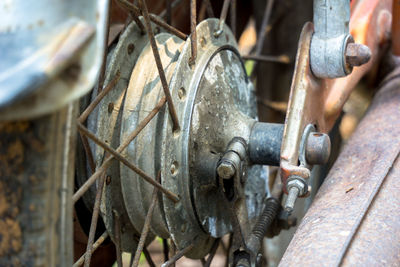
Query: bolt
point(296, 187)
point(291, 199)
point(243, 262)
point(357, 54)
point(226, 170)
point(318, 148)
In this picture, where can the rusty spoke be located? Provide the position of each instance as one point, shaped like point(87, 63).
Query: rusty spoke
point(93, 224)
point(178, 255)
point(88, 152)
point(174, 4)
point(222, 17)
point(233, 16)
point(117, 231)
point(193, 33)
point(160, 68)
point(210, 11)
point(96, 244)
point(117, 155)
point(212, 252)
point(154, 19)
point(146, 226)
point(263, 29)
point(85, 114)
point(103, 65)
point(117, 152)
point(165, 249)
point(148, 257)
point(168, 8)
point(284, 59)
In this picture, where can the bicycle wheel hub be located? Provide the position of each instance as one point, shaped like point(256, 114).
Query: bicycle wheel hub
point(215, 102)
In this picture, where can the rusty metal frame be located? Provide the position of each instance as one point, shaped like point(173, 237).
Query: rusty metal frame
point(319, 102)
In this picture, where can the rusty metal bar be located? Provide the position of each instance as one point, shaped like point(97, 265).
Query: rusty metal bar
point(88, 152)
point(222, 17)
point(169, 11)
point(165, 249)
point(210, 10)
point(168, 27)
point(93, 223)
point(233, 16)
point(212, 252)
point(284, 59)
point(105, 52)
point(163, 14)
point(108, 160)
point(117, 155)
point(85, 114)
point(178, 255)
point(193, 32)
point(148, 257)
point(154, 19)
point(96, 244)
point(146, 226)
point(396, 28)
point(263, 29)
point(117, 231)
point(160, 68)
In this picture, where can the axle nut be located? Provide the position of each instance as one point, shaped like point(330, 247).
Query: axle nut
point(318, 148)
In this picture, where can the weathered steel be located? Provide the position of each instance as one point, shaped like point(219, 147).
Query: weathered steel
point(354, 217)
point(193, 32)
point(96, 244)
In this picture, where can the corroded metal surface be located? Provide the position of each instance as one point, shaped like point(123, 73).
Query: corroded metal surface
point(36, 183)
point(354, 216)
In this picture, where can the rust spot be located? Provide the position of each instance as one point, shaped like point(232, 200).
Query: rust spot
point(10, 237)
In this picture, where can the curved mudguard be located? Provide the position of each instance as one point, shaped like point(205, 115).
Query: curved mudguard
point(354, 219)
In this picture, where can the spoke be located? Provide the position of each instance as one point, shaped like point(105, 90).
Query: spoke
point(117, 231)
point(193, 33)
point(105, 43)
point(88, 152)
point(163, 14)
point(148, 257)
point(160, 68)
point(85, 114)
point(96, 244)
point(222, 18)
point(210, 10)
point(212, 252)
point(93, 224)
point(129, 139)
point(122, 159)
point(233, 16)
point(168, 27)
point(165, 249)
point(154, 19)
point(178, 255)
point(169, 11)
point(146, 226)
point(263, 30)
point(284, 59)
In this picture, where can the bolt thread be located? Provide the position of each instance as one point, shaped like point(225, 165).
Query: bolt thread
point(291, 199)
point(268, 215)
